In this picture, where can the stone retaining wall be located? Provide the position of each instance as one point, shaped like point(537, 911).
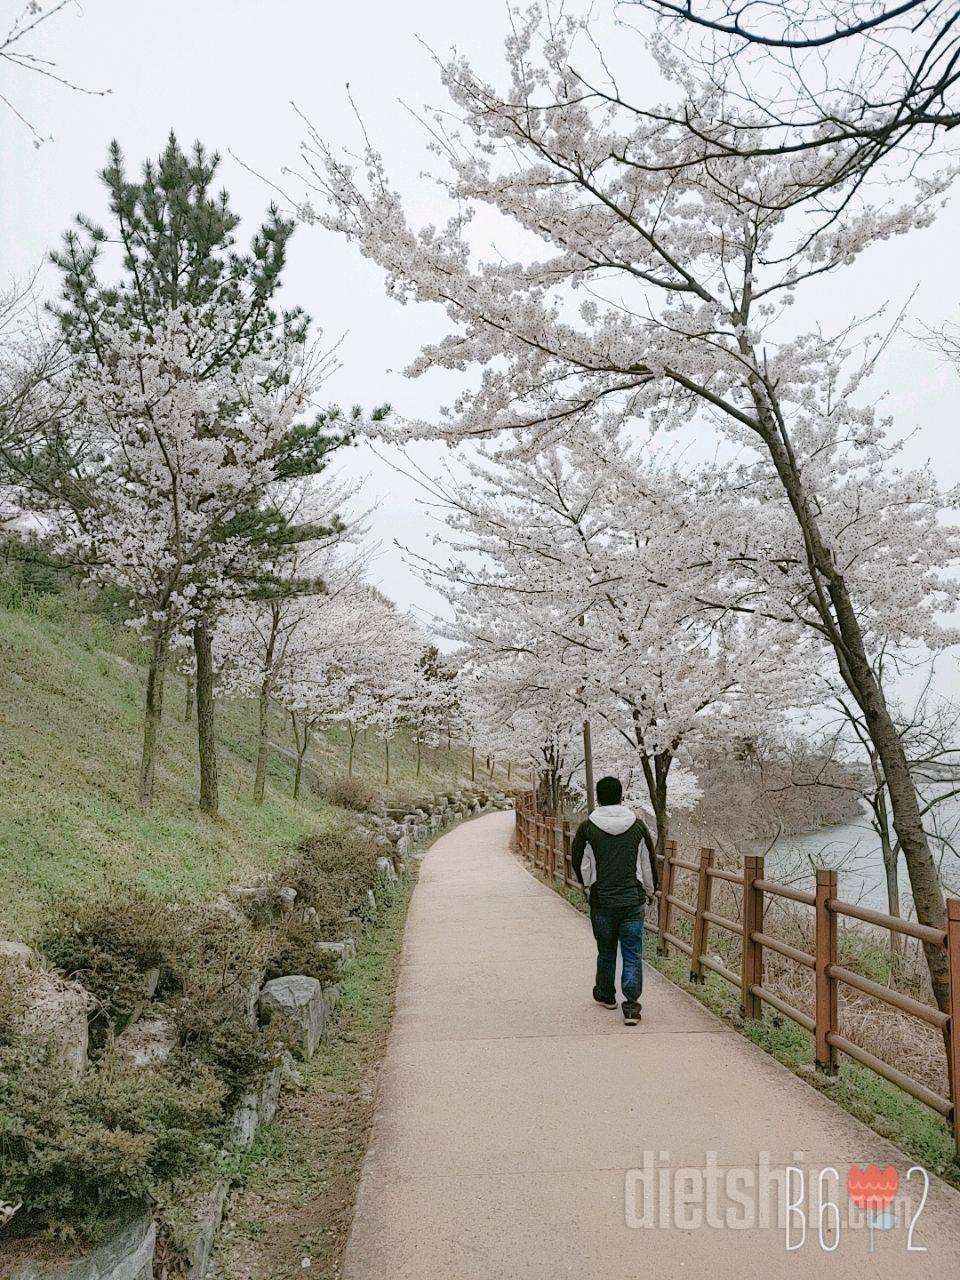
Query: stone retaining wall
point(304, 1006)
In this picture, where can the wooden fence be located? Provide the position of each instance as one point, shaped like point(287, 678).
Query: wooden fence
point(546, 841)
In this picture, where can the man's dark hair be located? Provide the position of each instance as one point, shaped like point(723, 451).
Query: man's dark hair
point(609, 791)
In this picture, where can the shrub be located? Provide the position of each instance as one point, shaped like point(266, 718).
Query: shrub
point(222, 1042)
point(297, 950)
point(109, 943)
point(12, 1000)
point(221, 956)
point(351, 793)
point(333, 873)
point(76, 1151)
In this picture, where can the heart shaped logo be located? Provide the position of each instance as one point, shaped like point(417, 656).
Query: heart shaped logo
point(872, 1188)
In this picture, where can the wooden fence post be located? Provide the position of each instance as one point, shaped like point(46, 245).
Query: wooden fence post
point(666, 891)
point(953, 960)
point(825, 955)
point(566, 843)
point(700, 926)
point(751, 970)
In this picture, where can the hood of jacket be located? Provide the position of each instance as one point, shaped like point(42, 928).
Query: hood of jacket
point(614, 819)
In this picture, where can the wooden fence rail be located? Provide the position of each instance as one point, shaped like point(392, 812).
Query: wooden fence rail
point(546, 841)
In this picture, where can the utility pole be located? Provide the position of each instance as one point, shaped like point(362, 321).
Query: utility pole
point(588, 763)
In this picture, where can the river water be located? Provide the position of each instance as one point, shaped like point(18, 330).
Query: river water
point(854, 850)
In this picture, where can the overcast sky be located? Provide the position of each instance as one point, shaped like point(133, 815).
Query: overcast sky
point(225, 71)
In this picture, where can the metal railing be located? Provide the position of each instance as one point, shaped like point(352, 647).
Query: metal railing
point(546, 840)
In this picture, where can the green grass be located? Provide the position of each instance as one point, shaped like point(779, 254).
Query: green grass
point(71, 690)
point(299, 1179)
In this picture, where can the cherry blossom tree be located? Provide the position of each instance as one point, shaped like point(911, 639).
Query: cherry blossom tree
point(266, 634)
point(430, 703)
point(19, 53)
point(859, 80)
point(515, 714)
point(662, 292)
point(310, 679)
point(179, 251)
point(606, 573)
point(355, 666)
point(171, 466)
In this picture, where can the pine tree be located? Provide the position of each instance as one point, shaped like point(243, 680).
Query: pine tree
point(177, 237)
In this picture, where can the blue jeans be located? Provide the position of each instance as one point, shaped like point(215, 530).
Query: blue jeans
point(623, 926)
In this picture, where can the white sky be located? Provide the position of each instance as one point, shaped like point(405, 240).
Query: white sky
point(225, 71)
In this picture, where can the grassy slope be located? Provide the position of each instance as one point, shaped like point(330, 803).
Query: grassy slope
point(70, 704)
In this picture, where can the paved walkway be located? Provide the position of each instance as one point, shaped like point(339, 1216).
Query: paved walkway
point(511, 1109)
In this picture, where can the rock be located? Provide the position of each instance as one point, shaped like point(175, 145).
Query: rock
point(258, 903)
point(251, 998)
point(151, 980)
point(126, 1254)
point(404, 846)
point(371, 900)
point(386, 868)
point(225, 906)
point(56, 1010)
point(287, 896)
point(331, 998)
point(17, 953)
point(295, 1005)
point(148, 1041)
point(344, 950)
point(204, 1234)
point(258, 1106)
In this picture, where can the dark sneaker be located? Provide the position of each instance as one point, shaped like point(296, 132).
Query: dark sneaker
point(631, 1014)
point(607, 1004)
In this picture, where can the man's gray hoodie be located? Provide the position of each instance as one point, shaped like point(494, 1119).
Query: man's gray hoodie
point(612, 856)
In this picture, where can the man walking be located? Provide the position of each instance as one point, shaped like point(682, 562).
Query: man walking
point(613, 859)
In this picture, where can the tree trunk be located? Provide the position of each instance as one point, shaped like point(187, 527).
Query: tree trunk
point(263, 727)
point(419, 754)
point(352, 734)
point(152, 714)
point(206, 729)
point(473, 764)
point(831, 600)
point(655, 775)
point(301, 752)
point(266, 689)
point(891, 858)
point(188, 701)
point(386, 744)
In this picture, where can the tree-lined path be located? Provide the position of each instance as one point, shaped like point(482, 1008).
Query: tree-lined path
point(510, 1108)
